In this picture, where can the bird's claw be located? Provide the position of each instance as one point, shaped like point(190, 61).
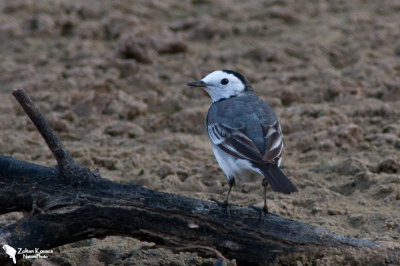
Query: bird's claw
point(218, 202)
point(262, 211)
point(222, 204)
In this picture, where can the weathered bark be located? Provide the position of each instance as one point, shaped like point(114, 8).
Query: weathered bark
point(64, 212)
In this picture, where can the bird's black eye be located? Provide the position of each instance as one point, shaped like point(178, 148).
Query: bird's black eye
point(224, 81)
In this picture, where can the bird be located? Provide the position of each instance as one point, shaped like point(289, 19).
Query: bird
point(244, 131)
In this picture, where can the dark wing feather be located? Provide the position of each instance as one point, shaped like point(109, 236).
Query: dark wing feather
point(273, 143)
point(234, 141)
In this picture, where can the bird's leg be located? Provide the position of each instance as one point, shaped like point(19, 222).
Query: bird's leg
point(226, 201)
point(231, 184)
point(265, 185)
point(264, 210)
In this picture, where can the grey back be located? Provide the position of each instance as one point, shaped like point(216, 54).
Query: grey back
point(247, 110)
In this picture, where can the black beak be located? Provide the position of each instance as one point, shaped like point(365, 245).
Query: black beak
point(199, 83)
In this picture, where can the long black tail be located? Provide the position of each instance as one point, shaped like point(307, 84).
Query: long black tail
point(276, 178)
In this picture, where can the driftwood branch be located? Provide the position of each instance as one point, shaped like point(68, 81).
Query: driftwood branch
point(70, 171)
point(55, 145)
point(70, 203)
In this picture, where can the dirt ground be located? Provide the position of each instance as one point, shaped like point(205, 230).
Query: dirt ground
point(110, 77)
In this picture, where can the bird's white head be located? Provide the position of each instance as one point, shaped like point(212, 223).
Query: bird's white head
point(223, 84)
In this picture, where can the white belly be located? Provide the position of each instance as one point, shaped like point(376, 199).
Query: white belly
point(234, 167)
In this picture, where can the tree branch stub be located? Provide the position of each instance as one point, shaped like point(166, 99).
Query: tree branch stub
point(66, 164)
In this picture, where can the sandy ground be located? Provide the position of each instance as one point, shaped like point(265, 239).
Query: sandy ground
point(110, 77)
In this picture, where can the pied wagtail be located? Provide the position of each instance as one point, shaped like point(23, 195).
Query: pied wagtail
point(245, 133)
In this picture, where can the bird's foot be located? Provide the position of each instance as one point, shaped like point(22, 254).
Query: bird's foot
point(223, 204)
point(220, 203)
point(262, 211)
